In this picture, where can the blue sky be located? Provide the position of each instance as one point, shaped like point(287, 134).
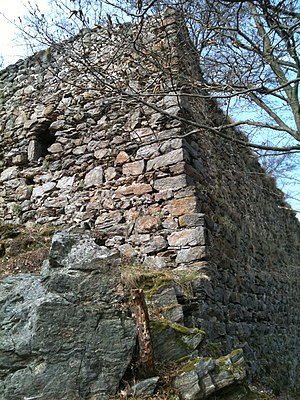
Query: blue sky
point(10, 47)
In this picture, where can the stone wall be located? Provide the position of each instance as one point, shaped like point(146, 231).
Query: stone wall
point(81, 146)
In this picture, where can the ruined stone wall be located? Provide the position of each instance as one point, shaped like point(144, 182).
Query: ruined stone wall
point(79, 148)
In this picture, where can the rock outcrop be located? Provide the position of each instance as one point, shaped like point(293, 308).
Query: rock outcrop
point(65, 334)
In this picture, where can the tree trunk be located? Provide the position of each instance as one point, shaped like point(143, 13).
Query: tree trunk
point(146, 359)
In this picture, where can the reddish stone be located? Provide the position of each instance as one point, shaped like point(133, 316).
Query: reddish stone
point(147, 223)
point(135, 188)
point(121, 158)
point(184, 205)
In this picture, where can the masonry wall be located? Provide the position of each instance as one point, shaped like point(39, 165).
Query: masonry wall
point(79, 148)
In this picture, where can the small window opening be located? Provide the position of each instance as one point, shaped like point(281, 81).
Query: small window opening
point(44, 138)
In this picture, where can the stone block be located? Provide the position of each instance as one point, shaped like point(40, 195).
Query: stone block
point(126, 250)
point(148, 151)
point(184, 205)
point(9, 173)
point(94, 177)
point(191, 220)
point(140, 133)
point(187, 237)
point(23, 192)
point(34, 150)
point(38, 191)
point(147, 223)
point(56, 202)
point(196, 253)
point(121, 158)
point(171, 183)
point(170, 158)
point(134, 168)
point(135, 188)
point(66, 182)
point(170, 223)
point(158, 262)
point(157, 243)
point(101, 153)
point(20, 159)
point(79, 150)
point(57, 125)
point(109, 218)
point(55, 148)
point(110, 173)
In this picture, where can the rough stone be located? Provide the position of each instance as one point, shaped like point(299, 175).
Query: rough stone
point(187, 237)
point(190, 220)
point(146, 387)
point(122, 158)
point(55, 148)
point(172, 183)
point(135, 188)
point(60, 336)
point(170, 158)
point(134, 168)
point(65, 183)
point(9, 173)
point(191, 254)
point(158, 243)
point(172, 341)
point(94, 177)
point(209, 376)
point(182, 206)
point(147, 223)
point(251, 233)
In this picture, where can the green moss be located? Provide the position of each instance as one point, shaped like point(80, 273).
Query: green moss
point(224, 360)
point(151, 284)
point(190, 365)
point(160, 325)
point(150, 281)
point(16, 208)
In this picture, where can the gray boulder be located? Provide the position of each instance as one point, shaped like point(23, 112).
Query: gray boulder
point(64, 334)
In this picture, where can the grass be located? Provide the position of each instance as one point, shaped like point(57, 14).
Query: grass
point(23, 249)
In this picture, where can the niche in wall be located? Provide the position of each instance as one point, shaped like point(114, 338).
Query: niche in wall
point(42, 139)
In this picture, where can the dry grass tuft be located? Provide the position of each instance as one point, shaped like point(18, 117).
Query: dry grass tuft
point(22, 249)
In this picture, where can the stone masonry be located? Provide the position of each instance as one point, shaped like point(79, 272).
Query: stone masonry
point(98, 139)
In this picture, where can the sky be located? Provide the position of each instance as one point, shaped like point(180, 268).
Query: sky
point(12, 50)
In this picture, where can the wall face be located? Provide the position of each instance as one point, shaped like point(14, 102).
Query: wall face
point(252, 299)
point(77, 150)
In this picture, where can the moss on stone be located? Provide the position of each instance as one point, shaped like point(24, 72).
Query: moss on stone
point(190, 365)
point(159, 325)
point(152, 282)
